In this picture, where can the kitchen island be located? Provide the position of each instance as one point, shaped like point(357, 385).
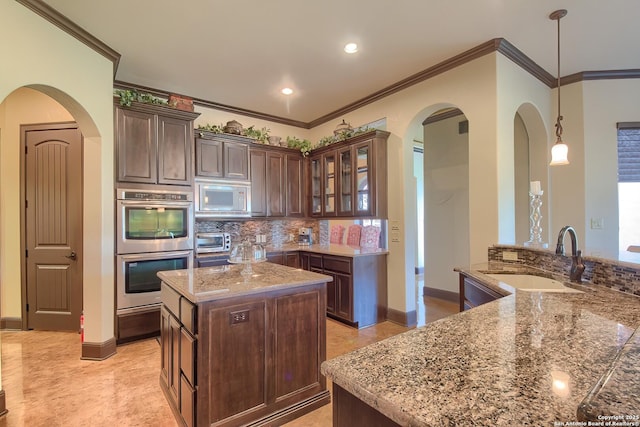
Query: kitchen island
point(529, 358)
point(243, 350)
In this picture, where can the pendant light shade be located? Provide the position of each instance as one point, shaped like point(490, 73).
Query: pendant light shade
point(559, 150)
point(559, 153)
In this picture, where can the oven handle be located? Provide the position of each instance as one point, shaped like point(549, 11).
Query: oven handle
point(154, 255)
point(151, 203)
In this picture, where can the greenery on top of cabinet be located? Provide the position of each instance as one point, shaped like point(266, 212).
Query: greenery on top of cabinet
point(129, 96)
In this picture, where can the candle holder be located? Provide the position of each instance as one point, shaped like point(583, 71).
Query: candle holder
point(535, 228)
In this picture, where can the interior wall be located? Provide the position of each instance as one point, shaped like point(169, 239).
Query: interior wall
point(23, 106)
point(606, 102)
point(522, 179)
point(81, 80)
point(418, 174)
point(446, 203)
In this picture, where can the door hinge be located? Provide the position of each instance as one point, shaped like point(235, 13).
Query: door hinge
point(26, 253)
point(27, 307)
point(26, 204)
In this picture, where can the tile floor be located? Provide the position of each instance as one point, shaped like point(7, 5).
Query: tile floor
point(46, 383)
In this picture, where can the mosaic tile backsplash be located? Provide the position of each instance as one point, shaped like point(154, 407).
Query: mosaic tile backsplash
point(620, 276)
point(277, 232)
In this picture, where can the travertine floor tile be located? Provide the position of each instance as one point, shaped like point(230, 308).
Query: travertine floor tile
point(46, 383)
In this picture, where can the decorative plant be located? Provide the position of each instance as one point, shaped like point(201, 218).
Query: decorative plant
point(129, 96)
point(260, 135)
point(304, 145)
point(212, 128)
point(324, 141)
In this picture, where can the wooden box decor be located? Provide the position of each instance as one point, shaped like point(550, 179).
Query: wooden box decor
point(181, 102)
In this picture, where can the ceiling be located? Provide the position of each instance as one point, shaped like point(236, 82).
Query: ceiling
point(241, 53)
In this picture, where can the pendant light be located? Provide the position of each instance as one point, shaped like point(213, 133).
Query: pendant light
point(559, 150)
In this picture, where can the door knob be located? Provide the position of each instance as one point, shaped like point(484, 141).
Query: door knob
point(72, 256)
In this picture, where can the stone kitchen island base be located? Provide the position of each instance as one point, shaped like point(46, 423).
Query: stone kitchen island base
point(238, 352)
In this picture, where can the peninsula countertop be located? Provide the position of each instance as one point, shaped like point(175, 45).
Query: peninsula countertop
point(211, 283)
point(528, 358)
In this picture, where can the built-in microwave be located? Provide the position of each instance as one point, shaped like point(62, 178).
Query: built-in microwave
point(223, 198)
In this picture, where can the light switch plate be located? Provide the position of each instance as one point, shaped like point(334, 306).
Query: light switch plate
point(597, 223)
point(509, 256)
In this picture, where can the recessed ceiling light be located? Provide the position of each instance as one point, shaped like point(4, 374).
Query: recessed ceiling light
point(351, 48)
point(287, 91)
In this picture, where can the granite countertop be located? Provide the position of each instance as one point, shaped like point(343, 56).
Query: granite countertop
point(529, 358)
point(339, 250)
point(211, 283)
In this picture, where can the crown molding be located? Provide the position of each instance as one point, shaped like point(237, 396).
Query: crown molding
point(600, 75)
point(498, 44)
point(69, 27)
point(454, 112)
point(117, 84)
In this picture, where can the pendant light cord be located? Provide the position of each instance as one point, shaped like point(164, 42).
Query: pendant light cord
point(558, 124)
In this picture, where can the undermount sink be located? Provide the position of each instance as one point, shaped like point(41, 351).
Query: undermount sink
point(530, 283)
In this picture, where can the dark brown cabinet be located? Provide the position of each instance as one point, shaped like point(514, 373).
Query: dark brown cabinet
point(153, 144)
point(357, 295)
point(261, 365)
point(288, 258)
point(349, 178)
point(474, 293)
point(277, 182)
point(222, 156)
point(213, 261)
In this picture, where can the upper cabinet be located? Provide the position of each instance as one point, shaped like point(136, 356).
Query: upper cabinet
point(349, 178)
point(222, 156)
point(153, 144)
point(277, 182)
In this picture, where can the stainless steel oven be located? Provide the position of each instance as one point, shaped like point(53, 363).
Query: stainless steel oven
point(138, 286)
point(153, 221)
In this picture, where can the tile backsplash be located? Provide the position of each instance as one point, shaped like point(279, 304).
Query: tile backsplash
point(278, 232)
point(621, 276)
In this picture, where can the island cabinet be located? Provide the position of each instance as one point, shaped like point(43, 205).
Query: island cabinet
point(277, 182)
point(357, 296)
point(248, 356)
point(349, 178)
point(222, 156)
point(153, 144)
point(474, 293)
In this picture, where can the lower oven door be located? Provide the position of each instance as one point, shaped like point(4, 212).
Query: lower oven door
point(137, 282)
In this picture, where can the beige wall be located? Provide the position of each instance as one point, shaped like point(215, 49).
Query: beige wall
point(23, 106)
point(82, 82)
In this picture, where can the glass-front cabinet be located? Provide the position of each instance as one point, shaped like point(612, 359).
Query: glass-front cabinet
point(345, 186)
point(349, 178)
point(329, 164)
point(316, 186)
point(363, 179)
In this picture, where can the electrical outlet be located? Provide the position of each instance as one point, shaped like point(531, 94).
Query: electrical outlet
point(597, 223)
point(509, 256)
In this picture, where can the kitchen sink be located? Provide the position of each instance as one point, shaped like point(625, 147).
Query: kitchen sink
point(530, 283)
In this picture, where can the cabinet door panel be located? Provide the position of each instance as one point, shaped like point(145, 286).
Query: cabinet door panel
point(275, 184)
point(329, 185)
point(292, 259)
point(316, 186)
point(364, 190)
point(331, 292)
point(296, 343)
point(295, 186)
point(344, 298)
point(237, 361)
point(258, 161)
point(137, 147)
point(174, 358)
point(174, 151)
point(345, 182)
point(236, 161)
point(209, 158)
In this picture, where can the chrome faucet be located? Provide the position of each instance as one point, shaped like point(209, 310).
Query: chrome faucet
point(577, 267)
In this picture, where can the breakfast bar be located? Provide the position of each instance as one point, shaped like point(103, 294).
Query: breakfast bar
point(243, 349)
point(528, 358)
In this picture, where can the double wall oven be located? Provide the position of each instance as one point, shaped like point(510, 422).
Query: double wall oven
point(154, 230)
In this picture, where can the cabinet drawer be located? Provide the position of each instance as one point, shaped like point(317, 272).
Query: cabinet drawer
point(477, 294)
point(188, 317)
point(337, 264)
point(170, 299)
point(187, 402)
point(315, 261)
point(187, 356)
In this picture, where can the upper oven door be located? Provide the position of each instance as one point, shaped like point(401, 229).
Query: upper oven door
point(148, 226)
